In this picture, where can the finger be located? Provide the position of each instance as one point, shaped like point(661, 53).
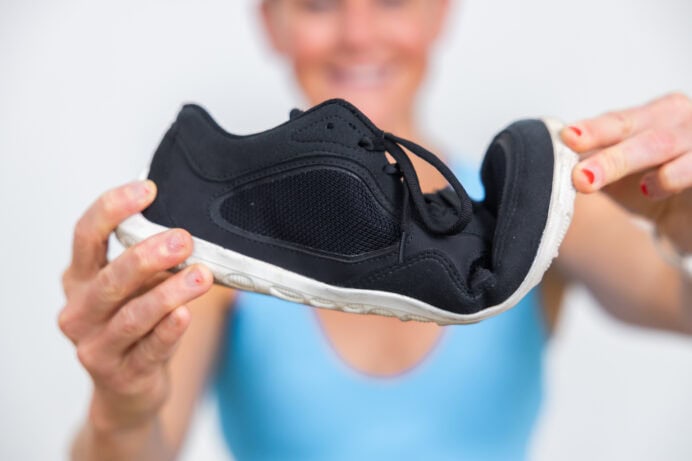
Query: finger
point(122, 278)
point(157, 279)
point(645, 150)
point(158, 346)
point(139, 316)
point(671, 178)
point(94, 227)
point(614, 127)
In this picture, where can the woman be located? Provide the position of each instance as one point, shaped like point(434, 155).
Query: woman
point(410, 390)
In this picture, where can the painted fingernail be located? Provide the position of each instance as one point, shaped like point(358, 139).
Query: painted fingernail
point(194, 278)
point(589, 175)
point(645, 190)
point(576, 130)
point(141, 190)
point(175, 242)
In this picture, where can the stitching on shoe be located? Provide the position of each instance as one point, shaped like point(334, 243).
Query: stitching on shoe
point(166, 169)
point(215, 215)
point(342, 259)
point(321, 122)
point(390, 255)
point(200, 169)
point(512, 205)
point(364, 175)
point(359, 115)
point(431, 255)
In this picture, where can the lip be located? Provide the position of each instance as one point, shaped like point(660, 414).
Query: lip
point(360, 76)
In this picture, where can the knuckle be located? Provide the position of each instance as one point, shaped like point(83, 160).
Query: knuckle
point(623, 122)
point(164, 296)
point(615, 163)
point(109, 288)
point(141, 258)
point(88, 358)
point(660, 141)
point(71, 322)
point(82, 230)
point(129, 322)
point(108, 202)
point(164, 336)
point(667, 179)
point(66, 321)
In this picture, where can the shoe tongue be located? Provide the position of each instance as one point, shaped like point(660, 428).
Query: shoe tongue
point(295, 113)
point(442, 205)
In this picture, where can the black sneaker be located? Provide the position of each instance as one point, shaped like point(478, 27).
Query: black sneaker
point(313, 212)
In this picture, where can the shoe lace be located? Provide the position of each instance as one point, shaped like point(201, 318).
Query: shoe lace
point(428, 206)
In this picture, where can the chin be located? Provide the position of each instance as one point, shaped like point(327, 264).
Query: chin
point(380, 106)
point(384, 91)
point(378, 110)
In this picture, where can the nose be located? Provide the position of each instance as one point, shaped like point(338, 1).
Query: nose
point(357, 27)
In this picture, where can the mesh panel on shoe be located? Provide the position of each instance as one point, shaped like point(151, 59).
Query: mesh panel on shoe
point(323, 209)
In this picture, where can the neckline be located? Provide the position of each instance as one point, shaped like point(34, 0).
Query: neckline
point(332, 355)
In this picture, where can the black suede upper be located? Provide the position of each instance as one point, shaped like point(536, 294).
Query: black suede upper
point(312, 196)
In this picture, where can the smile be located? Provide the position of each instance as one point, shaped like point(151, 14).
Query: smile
point(362, 76)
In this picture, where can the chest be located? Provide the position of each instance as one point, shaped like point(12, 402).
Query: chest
point(375, 345)
point(282, 384)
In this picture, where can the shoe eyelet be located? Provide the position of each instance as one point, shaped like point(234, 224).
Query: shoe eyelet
point(366, 143)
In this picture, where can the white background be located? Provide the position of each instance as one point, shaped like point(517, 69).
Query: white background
point(87, 88)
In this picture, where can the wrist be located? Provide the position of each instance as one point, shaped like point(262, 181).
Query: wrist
point(144, 442)
point(115, 414)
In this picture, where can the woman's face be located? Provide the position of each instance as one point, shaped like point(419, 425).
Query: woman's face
point(371, 52)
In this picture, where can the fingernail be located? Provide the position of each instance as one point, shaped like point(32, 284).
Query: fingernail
point(141, 190)
point(576, 130)
point(175, 242)
point(194, 278)
point(589, 175)
point(645, 190)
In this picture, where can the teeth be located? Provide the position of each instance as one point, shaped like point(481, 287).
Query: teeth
point(361, 75)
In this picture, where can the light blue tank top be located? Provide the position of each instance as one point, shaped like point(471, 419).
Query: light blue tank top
point(284, 394)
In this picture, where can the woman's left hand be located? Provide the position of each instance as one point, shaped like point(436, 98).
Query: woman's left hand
point(641, 157)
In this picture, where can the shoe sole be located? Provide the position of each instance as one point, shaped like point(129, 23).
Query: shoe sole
point(242, 272)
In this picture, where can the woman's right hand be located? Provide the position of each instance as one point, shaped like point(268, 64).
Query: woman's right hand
point(126, 316)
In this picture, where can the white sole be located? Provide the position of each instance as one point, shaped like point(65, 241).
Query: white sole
point(242, 272)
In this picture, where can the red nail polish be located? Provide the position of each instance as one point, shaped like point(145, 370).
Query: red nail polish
point(576, 130)
point(175, 242)
point(589, 175)
point(644, 189)
point(194, 278)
